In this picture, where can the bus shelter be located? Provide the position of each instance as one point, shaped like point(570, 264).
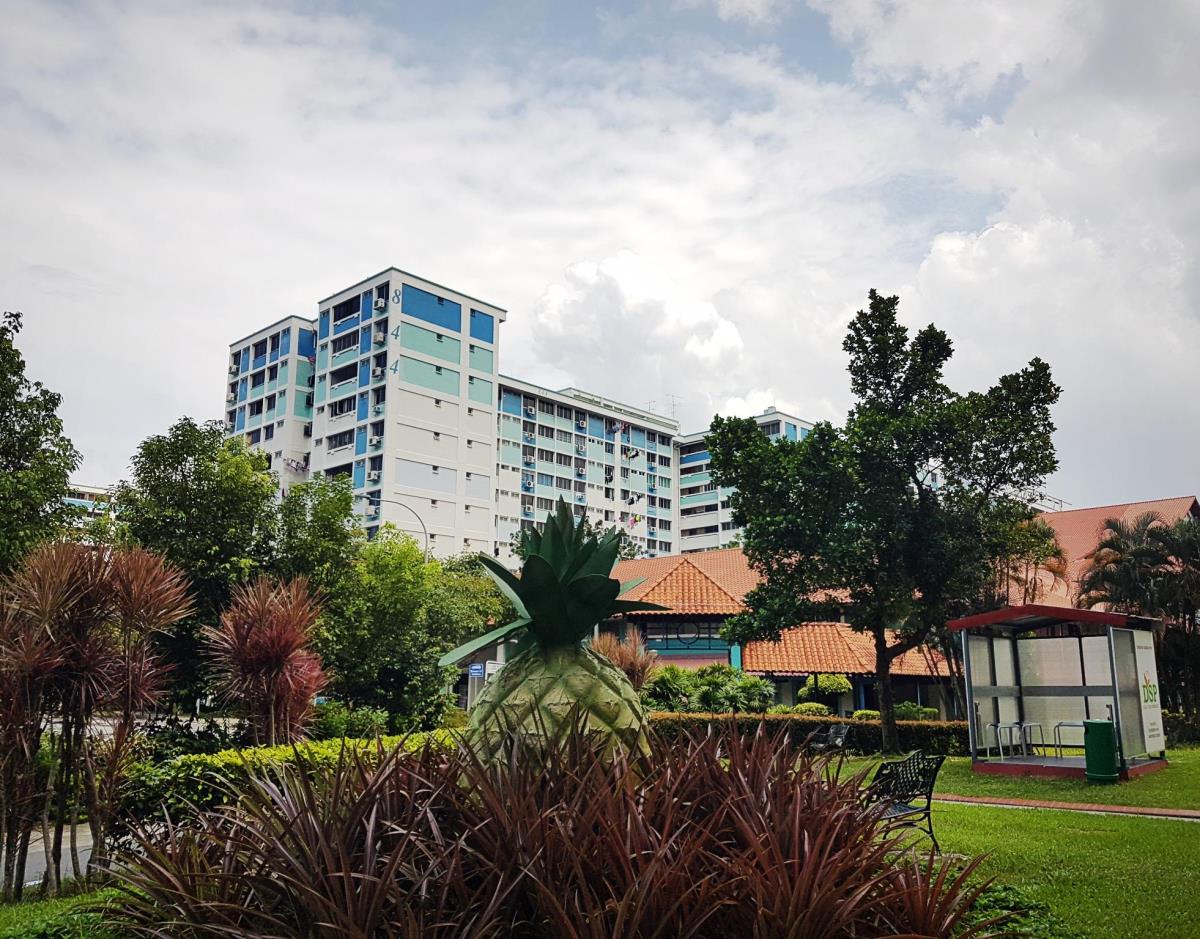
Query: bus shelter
point(1034, 674)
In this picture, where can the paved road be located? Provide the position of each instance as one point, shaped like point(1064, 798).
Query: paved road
point(35, 866)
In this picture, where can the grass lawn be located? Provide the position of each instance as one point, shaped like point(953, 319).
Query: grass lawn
point(1100, 875)
point(60, 918)
point(1176, 787)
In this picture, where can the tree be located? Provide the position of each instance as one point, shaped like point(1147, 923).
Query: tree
point(518, 544)
point(318, 534)
point(36, 458)
point(208, 505)
point(1125, 570)
point(262, 659)
point(391, 617)
point(887, 518)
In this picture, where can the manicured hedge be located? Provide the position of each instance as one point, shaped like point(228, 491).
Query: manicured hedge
point(948, 737)
point(1181, 728)
point(202, 781)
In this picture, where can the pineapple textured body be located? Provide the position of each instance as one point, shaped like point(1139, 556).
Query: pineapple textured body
point(545, 691)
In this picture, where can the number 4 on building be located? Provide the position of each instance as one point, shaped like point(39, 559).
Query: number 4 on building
point(395, 368)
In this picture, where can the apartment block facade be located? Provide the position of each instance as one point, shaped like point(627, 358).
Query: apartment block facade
point(613, 463)
point(268, 395)
point(405, 404)
point(395, 384)
point(705, 518)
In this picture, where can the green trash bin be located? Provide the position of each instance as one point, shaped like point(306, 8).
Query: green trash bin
point(1100, 751)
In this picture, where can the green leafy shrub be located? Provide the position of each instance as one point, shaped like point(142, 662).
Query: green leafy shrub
point(1181, 728)
point(812, 709)
point(866, 714)
point(671, 688)
point(333, 719)
point(203, 781)
point(455, 719)
point(911, 711)
point(755, 694)
point(824, 686)
point(948, 737)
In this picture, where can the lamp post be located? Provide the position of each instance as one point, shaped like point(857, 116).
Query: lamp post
point(420, 521)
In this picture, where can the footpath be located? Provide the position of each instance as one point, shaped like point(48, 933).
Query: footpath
point(1093, 807)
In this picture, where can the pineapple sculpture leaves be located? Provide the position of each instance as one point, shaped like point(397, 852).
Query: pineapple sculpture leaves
point(555, 681)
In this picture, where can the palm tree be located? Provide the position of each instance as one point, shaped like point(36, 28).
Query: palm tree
point(1126, 570)
point(1179, 651)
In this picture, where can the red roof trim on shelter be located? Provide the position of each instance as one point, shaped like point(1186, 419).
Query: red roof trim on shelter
point(1034, 615)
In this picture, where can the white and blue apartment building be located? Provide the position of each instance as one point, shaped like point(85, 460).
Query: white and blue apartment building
point(268, 394)
point(395, 384)
point(705, 518)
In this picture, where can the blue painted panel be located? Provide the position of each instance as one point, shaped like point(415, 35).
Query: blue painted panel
point(595, 426)
point(360, 473)
point(364, 306)
point(244, 360)
point(735, 657)
point(694, 457)
point(363, 402)
point(364, 373)
point(364, 341)
point(510, 403)
point(259, 361)
point(323, 324)
point(431, 308)
point(308, 343)
point(242, 389)
point(639, 437)
point(803, 432)
point(360, 441)
point(350, 322)
point(285, 341)
point(789, 430)
point(240, 423)
point(274, 354)
point(483, 326)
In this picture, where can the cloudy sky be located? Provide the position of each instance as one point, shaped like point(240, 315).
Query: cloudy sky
point(676, 200)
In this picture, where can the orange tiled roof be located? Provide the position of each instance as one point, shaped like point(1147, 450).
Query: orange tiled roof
point(687, 589)
point(832, 648)
point(1079, 532)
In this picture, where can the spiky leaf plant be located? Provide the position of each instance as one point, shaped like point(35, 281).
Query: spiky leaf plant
point(555, 681)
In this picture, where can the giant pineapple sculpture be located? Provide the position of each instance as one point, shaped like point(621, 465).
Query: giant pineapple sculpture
point(554, 681)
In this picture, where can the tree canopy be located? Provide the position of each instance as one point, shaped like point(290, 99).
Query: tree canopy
point(208, 505)
point(36, 458)
point(887, 519)
point(393, 614)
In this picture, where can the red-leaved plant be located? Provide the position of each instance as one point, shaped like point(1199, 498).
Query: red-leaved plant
point(710, 836)
point(262, 660)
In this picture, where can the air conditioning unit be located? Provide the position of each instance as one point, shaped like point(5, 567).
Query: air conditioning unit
point(579, 496)
point(374, 475)
point(380, 337)
point(372, 511)
point(375, 441)
point(233, 370)
point(378, 409)
point(377, 372)
point(527, 511)
point(580, 472)
point(582, 425)
point(527, 461)
point(580, 448)
point(380, 304)
point(530, 412)
point(229, 426)
point(651, 532)
point(230, 397)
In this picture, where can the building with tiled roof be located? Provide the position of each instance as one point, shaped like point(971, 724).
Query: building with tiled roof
point(698, 591)
point(1079, 531)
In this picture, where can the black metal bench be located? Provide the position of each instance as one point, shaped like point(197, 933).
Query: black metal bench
point(831, 740)
point(907, 786)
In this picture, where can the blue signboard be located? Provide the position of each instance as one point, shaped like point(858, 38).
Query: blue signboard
point(475, 670)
